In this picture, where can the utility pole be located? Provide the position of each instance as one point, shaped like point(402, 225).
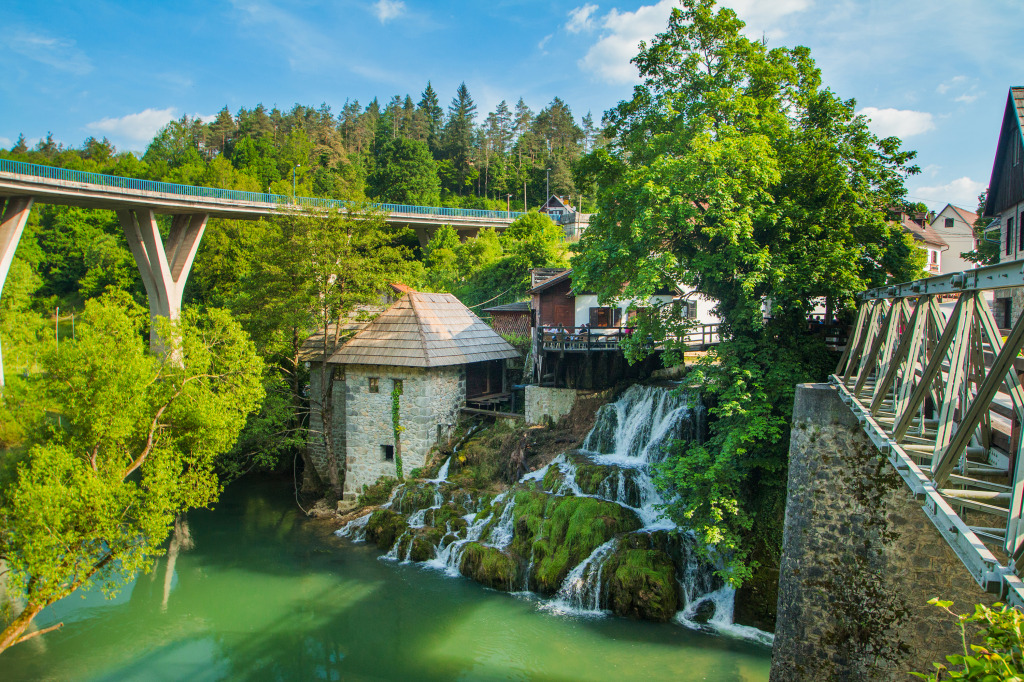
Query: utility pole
point(525, 210)
point(547, 187)
point(508, 203)
point(56, 327)
point(293, 180)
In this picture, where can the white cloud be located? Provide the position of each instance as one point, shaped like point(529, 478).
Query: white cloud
point(943, 88)
point(609, 57)
point(386, 10)
point(135, 128)
point(54, 52)
point(902, 123)
point(622, 32)
point(961, 192)
point(6, 142)
point(544, 41)
point(581, 19)
point(968, 97)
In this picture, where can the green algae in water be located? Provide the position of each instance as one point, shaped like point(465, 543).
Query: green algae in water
point(268, 594)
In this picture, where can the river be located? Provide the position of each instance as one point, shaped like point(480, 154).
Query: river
point(267, 594)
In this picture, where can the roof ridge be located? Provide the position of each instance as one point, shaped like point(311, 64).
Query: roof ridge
point(419, 326)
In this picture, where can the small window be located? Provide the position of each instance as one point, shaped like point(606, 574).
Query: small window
point(949, 222)
point(374, 384)
point(387, 452)
point(1009, 236)
point(399, 385)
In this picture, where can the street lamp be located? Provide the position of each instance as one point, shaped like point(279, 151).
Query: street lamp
point(547, 187)
point(298, 165)
point(508, 203)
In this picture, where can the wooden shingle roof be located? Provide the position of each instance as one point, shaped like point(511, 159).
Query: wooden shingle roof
point(424, 330)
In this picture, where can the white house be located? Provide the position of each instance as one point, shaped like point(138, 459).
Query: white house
point(956, 227)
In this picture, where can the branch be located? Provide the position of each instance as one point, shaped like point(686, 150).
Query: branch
point(149, 441)
point(27, 637)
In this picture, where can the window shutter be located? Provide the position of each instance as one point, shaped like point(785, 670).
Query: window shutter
point(691, 310)
point(616, 316)
point(594, 317)
point(1009, 236)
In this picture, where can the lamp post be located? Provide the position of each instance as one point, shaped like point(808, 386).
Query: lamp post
point(508, 203)
point(298, 165)
point(547, 187)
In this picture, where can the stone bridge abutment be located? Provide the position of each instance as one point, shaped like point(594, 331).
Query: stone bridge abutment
point(860, 559)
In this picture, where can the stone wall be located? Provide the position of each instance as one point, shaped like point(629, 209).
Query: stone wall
point(315, 439)
point(548, 403)
point(431, 398)
point(860, 559)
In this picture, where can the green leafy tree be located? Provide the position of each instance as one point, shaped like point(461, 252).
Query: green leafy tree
point(405, 173)
point(733, 171)
point(94, 497)
point(313, 269)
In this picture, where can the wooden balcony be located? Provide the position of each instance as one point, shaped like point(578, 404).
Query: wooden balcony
point(599, 339)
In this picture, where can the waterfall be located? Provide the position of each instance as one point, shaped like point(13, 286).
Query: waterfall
point(613, 465)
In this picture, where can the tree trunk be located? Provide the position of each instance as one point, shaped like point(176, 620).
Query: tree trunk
point(13, 633)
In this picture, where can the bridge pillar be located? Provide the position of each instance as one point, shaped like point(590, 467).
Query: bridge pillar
point(164, 266)
point(13, 216)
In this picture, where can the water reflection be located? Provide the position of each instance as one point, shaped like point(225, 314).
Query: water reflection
point(267, 594)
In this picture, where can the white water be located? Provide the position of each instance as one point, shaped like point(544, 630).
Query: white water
point(628, 437)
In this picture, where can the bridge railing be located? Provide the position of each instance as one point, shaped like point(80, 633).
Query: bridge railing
point(33, 170)
point(938, 389)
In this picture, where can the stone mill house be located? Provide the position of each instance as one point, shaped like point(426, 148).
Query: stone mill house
point(399, 384)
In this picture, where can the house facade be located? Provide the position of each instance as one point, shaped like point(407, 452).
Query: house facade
point(927, 239)
point(575, 338)
point(1005, 200)
point(398, 387)
point(956, 227)
point(573, 223)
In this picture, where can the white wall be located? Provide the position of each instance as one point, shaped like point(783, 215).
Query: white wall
point(960, 238)
point(584, 302)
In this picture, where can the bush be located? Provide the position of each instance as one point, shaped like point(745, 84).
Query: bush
point(998, 658)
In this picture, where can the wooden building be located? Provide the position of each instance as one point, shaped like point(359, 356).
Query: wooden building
point(511, 318)
point(1005, 200)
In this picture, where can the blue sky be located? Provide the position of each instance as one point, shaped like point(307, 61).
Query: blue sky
point(935, 72)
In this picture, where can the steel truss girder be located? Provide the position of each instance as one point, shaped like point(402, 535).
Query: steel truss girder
point(903, 351)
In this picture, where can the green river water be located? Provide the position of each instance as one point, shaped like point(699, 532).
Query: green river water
point(268, 594)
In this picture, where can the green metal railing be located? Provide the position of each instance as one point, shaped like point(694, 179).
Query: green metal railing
point(170, 188)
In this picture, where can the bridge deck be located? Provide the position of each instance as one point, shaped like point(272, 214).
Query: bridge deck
point(65, 186)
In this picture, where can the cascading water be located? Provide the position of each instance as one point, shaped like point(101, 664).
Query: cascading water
point(580, 530)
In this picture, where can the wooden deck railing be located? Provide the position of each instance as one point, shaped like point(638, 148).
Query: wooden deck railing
point(596, 339)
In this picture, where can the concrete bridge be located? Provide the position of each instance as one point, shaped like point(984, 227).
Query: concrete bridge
point(165, 264)
point(906, 482)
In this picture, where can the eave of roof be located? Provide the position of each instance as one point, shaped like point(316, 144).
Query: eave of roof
point(1013, 121)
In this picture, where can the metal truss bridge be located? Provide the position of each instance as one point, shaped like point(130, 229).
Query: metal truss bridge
point(937, 388)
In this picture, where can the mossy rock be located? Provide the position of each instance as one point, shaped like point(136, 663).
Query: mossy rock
point(377, 493)
point(431, 535)
point(642, 584)
point(384, 527)
point(447, 513)
point(489, 566)
point(553, 478)
point(704, 611)
point(423, 548)
point(559, 532)
point(413, 497)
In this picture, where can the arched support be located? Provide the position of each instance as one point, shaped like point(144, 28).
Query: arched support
point(13, 216)
point(164, 267)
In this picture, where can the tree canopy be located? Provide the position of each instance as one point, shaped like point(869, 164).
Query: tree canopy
point(732, 170)
point(92, 498)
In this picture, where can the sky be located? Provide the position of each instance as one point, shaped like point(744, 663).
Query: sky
point(933, 72)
